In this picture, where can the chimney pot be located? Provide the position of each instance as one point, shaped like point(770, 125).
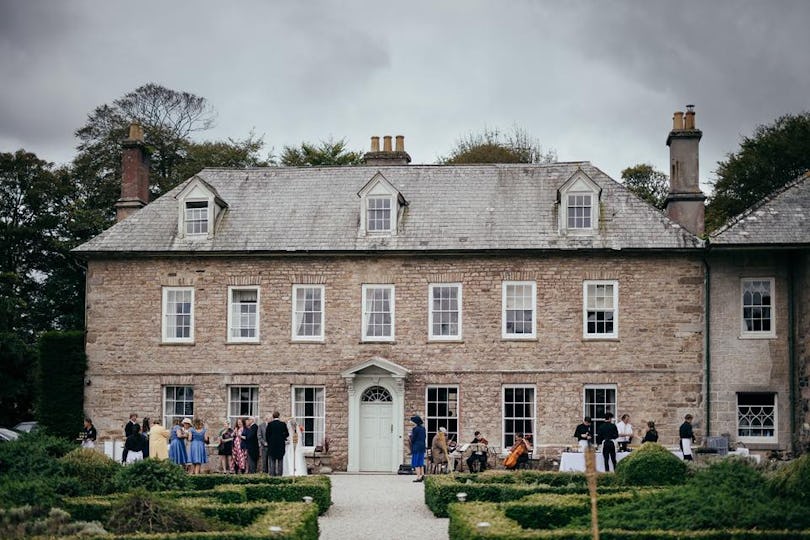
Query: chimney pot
point(400, 143)
point(387, 143)
point(135, 132)
point(689, 120)
point(375, 144)
point(677, 121)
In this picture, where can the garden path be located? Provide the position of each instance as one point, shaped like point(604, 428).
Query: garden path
point(379, 506)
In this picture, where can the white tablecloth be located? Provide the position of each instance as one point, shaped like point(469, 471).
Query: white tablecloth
point(575, 461)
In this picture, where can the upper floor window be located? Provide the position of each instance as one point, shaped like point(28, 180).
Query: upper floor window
point(378, 214)
point(444, 307)
point(378, 313)
point(178, 314)
point(757, 308)
point(756, 417)
point(196, 217)
point(243, 314)
point(519, 308)
point(600, 317)
point(579, 204)
point(380, 206)
point(308, 313)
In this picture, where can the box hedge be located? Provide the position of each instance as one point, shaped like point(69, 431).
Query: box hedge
point(270, 488)
point(651, 465)
point(92, 471)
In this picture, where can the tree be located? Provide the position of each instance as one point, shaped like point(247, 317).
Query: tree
point(60, 382)
point(646, 182)
point(329, 152)
point(494, 146)
point(775, 155)
point(234, 154)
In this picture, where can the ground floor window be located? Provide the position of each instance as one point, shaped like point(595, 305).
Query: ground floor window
point(442, 411)
point(309, 410)
point(756, 417)
point(242, 401)
point(598, 400)
point(178, 402)
point(518, 412)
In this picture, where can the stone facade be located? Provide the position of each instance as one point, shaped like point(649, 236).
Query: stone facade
point(656, 363)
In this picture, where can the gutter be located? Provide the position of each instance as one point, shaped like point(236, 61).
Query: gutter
point(707, 341)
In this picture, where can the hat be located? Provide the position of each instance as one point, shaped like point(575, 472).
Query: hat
point(186, 421)
point(416, 419)
point(443, 430)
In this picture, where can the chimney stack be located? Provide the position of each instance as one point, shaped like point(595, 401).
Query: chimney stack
point(387, 156)
point(134, 174)
point(685, 202)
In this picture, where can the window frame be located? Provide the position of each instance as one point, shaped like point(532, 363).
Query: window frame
point(533, 418)
point(504, 288)
point(230, 322)
point(316, 387)
point(438, 418)
point(592, 213)
point(168, 418)
point(595, 421)
point(615, 309)
point(774, 439)
point(165, 338)
point(431, 335)
point(365, 337)
point(254, 404)
point(293, 331)
point(186, 221)
point(753, 334)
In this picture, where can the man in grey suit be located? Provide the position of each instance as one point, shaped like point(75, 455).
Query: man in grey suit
point(265, 456)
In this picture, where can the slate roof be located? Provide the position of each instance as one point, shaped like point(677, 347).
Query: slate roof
point(458, 208)
point(781, 218)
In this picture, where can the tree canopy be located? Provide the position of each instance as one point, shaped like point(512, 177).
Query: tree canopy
point(495, 146)
point(773, 156)
point(648, 183)
point(327, 152)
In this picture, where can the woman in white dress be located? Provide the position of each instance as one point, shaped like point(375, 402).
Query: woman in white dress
point(295, 464)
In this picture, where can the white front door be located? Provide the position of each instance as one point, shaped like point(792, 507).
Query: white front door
point(376, 429)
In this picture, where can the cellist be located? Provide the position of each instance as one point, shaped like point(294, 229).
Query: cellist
point(519, 455)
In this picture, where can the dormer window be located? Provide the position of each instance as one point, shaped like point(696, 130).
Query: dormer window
point(579, 204)
point(381, 207)
point(200, 208)
point(196, 217)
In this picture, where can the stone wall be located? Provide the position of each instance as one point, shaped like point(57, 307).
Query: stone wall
point(802, 294)
point(656, 362)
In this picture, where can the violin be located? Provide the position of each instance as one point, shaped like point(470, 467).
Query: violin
point(518, 450)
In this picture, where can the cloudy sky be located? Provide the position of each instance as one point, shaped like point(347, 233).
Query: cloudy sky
point(594, 80)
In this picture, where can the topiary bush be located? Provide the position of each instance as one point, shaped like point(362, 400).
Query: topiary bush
point(152, 475)
point(651, 465)
point(93, 472)
point(141, 512)
point(793, 479)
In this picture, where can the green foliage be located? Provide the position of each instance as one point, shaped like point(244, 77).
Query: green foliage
point(773, 156)
point(16, 376)
point(60, 382)
point(152, 475)
point(649, 184)
point(38, 492)
point(651, 465)
point(139, 511)
point(268, 488)
point(28, 522)
point(793, 479)
point(92, 471)
point(235, 154)
point(495, 146)
point(33, 454)
point(329, 152)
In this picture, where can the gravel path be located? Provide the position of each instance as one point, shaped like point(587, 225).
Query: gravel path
point(375, 506)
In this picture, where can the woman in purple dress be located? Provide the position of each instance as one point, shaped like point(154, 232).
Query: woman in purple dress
point(177, 442)
point(197, 453)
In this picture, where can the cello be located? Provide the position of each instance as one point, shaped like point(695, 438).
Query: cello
point(520, 448)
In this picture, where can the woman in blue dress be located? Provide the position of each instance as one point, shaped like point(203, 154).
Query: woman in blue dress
point(197, 453)
point(177, 442)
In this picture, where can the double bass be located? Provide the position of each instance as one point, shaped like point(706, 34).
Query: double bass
point(518, 450)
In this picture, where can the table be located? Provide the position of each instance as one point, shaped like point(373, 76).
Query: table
point(575, 461)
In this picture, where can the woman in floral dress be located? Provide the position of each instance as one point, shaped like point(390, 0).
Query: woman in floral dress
point(239, 460)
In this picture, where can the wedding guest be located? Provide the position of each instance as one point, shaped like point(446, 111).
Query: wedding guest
point(438, 450)
point(129, 427)
point(145, 430)
point(133, 447)
point(177, 442)
point(88, 434)
point(418, 442)
point(158, 441)
point(239, 456)
point(276, 435)
point(250, 442)
point(197, 453)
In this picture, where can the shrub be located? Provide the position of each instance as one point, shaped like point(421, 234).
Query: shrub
point(140, 511)
point(151, 475)
point(92, 471)
point(651, 465)
point(60, 382)
point(793, 479)
point(35, 492)
point(33, 454)
point(27, 521)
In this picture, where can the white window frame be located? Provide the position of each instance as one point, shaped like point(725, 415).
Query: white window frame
point(504, 288)
point(364, 322)
point(615, 309)
point(392, 215)
point(164, 327)
point(442, 420)
point(294, 330)
point(186, 221)
point(298, 419)
point(168, 418)
point(595, 421)
point(239, 339)
point(533, 418)
point(254, 390)
point(760, 439)
point(451, 337)
point(758, 334)
point(566, 200)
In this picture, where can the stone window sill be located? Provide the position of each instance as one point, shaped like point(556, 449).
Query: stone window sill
point(177, 343)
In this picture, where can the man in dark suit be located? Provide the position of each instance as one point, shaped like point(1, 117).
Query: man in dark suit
point(264, 457)
point(277, 435)
point(251, 444)
point(129, 428)
point(607, 434)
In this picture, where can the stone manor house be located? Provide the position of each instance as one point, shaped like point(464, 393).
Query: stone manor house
point(500, 298)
